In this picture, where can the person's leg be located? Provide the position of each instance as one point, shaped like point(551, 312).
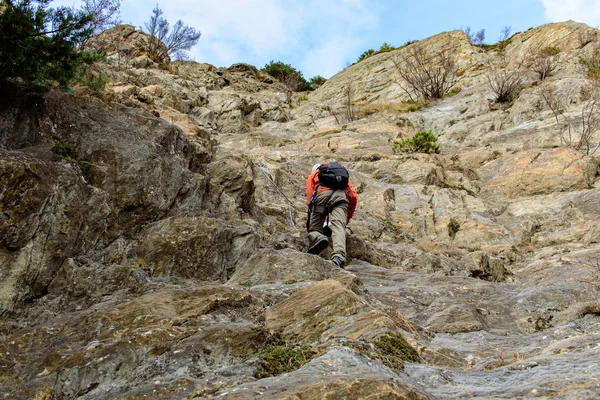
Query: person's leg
point(317, 240)
point(338, 218)
point(315, 227)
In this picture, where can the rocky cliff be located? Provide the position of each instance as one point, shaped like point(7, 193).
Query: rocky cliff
point(152, 235)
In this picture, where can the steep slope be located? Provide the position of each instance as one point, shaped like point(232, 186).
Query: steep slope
point(152, 240)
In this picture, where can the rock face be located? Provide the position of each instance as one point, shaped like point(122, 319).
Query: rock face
point(152, 240)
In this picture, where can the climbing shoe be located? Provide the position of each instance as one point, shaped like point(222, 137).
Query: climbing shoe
point(339, 261)
point(320, 244)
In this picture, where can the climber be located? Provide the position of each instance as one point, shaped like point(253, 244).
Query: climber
point(329, 194)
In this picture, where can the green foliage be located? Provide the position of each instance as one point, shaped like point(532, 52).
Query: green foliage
point(95, 81)
point(453, 227)
point(279, 357)
point(383, 49)
point(86, 74)
point(393, 350)
point(288, 75)
point(592, 63)
point(454, 91)
point(366, 54)
point(493, 46)
point(316, 81)
point(40, 44)
point(420, 142)
point(407, 43)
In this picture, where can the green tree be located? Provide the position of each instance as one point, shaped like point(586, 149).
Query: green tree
point(40, 44)
point(316, 82)
point(383, 49)
point(288, 75)
point(365, 54)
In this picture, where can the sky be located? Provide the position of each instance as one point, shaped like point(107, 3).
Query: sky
point(322, 37)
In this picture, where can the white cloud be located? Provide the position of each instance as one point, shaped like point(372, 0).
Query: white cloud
point(316, 36)
point(234, 28)
point(328, 58)
point(586, 11)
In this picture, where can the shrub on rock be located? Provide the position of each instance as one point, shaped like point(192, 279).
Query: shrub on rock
point(420, 142)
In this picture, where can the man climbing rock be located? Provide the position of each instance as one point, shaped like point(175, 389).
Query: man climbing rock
point(329, 194)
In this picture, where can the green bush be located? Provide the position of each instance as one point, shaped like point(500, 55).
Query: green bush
point(278, 359)
point(383, 49)
point(40, 44)
point(95, 81)
point(420, 142)
point(407, 43)
point(90, 76)
point(366, 54)
point(287, 75)
point(393, 350)
point(316, 81)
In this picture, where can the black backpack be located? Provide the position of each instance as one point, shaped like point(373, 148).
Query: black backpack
point(334, 176)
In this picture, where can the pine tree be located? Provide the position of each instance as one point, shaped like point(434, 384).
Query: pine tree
point(40, 44)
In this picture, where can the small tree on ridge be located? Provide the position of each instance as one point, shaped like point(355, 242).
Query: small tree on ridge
point(165, 42)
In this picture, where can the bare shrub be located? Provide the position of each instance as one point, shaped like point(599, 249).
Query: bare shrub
point(505, 82)
point(504, 33)
point(426, 74)
point(105, 13)
point(475, 37)
point(542, 61)
point(332, 111)
point(348, 103)
point(578, 130)
point(165, 42)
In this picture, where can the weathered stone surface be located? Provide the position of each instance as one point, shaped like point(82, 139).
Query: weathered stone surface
point(281, 266)
point(129, 343)
point(115, 170)
point(121, 211)
point(536, 171)
point(196, 248)
point(454, 319)
point(341, 373)
point(234, 176)
point(327, 309)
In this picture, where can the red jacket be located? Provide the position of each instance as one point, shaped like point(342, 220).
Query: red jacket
point(312, 184)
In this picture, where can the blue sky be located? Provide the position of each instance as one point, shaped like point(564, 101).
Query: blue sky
point(321, 37)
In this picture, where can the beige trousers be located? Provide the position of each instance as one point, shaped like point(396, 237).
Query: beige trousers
point(336, 203)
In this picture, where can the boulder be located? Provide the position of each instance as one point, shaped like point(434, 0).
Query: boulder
point(281, 266)
point(199, 248)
